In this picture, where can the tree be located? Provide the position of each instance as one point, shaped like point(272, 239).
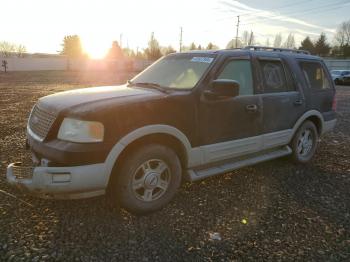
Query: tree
point(211, 46)
point(7, 49)
point(267, 43)
point(307, 45)
point(168, 50)
point(342, 39)
point(290, 42)
point(232, 44)
point(278, 40)
point(199, 47)
point(251, 38)
point(153, 50)
point(321, 46)
point(342, 35)
point(115, 52)
point(245, 38)
point(193, 46)
point(21, 50)
point(72, 46)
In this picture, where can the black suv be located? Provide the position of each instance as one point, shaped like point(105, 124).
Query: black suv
point(188, 116)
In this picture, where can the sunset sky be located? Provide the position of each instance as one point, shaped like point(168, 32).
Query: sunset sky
point(40, 25)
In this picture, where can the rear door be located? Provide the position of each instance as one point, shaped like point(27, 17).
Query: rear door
point(283, 102)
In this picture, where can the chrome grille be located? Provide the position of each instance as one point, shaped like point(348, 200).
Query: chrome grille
point(40, 121)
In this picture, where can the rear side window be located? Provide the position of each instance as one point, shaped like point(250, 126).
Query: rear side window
point(274, 76)
point(315, 75)
point(240, 71)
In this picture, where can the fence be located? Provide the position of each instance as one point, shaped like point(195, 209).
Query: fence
point(333, 64)
point(62, 63)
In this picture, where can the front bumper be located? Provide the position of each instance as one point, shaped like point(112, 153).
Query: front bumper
point(59, 182)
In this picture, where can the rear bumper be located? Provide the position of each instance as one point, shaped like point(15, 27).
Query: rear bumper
point(329, 125)
point(59, 182)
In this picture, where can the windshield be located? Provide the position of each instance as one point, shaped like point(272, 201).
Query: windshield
point(337, 73)
point(181, 71)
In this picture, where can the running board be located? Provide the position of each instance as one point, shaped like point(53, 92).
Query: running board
point(198, 174)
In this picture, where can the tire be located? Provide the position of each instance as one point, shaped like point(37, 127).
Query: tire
point(304, 143)
point(147, 179)
point(336, 81)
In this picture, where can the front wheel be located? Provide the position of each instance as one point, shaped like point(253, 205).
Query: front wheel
point(304, 142)
point(148, 179)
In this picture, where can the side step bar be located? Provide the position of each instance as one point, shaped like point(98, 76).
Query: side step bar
point(198, 174)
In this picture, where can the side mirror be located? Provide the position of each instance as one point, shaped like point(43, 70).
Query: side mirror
point(223, 88)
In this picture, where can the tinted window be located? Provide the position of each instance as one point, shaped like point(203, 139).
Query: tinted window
point(241, 71)
point(274, 76)
point(315, 75)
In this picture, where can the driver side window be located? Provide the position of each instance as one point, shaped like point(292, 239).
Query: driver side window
point(240, 71)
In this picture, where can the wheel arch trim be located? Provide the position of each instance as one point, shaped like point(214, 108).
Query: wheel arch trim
point(142, 132)
point(306, 115)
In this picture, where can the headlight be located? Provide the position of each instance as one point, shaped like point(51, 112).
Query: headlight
point(81, 131)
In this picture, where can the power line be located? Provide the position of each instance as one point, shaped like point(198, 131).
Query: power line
point(298, 13)
point(263, 11)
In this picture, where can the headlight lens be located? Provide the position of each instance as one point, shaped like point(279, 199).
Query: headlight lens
point(81, 131)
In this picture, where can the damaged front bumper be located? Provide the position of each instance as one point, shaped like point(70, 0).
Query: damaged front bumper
point(59, 182)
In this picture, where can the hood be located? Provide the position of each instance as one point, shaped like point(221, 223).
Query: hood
point(73, 98)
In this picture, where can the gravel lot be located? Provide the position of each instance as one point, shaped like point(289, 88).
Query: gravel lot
point(272, 211)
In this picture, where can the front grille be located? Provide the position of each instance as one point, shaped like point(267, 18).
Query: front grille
point(40, 121)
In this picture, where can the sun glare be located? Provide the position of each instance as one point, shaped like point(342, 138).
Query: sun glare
point(95, 49)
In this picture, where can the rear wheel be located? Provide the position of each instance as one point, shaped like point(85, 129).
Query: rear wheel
point(148, 179)
point(304, 142)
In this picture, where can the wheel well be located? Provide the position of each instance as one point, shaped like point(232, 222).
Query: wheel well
point(158, 138)
point(317, 122)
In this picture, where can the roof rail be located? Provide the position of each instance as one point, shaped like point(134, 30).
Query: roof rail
point(268, 48)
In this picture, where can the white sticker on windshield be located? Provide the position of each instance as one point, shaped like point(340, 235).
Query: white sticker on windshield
point(202, 59)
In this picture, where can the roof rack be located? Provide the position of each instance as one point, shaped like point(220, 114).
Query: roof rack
point(268, 48)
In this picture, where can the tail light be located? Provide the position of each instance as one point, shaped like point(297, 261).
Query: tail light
point(334, 104)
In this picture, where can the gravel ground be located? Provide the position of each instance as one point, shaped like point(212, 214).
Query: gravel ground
point(272, 211)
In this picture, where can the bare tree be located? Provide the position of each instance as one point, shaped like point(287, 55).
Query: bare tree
point(251, 38)
point(278, 40)
point(7, 49)
point(245, 38)
point(21, 50)
point(232, 44)
point(290, 42)
point(342, 36)
point(267, 43)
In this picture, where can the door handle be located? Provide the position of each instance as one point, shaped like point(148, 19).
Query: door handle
point(298, 102)
point(252, 108)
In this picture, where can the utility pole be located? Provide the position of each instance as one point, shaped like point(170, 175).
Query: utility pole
point(180, 39)
point(237, 31)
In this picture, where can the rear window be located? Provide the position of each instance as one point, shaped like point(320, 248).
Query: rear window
point(274, 76)
point(315, 75)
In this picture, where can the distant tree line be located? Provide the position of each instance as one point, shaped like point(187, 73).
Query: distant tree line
point(8, 49)
point(72, 46)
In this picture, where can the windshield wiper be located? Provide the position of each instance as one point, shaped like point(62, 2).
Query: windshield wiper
point(149, 85)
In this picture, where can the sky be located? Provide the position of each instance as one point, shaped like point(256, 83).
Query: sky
point(40, 25)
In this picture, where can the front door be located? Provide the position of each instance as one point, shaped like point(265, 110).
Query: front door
point(230, 126)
